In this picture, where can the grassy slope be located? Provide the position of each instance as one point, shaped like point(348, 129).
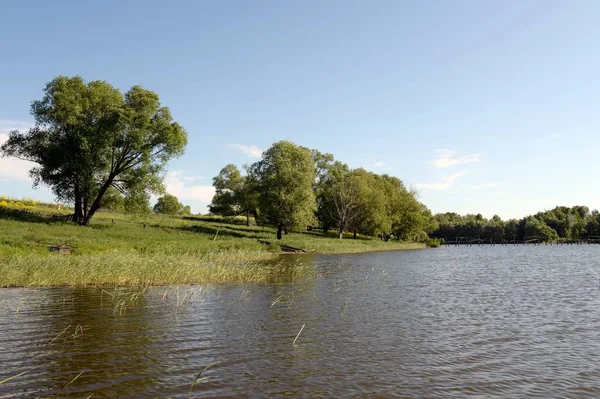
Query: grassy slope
point(170, 250)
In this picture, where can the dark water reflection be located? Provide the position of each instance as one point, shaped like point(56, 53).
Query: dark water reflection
point(450, 322)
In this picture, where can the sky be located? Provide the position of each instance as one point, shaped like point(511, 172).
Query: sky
point(487, 107)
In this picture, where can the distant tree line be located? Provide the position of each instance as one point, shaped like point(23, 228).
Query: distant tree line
point(166, 205)
point(293, 187)
point(562, 223)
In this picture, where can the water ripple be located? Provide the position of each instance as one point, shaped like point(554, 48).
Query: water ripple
point(453, 322)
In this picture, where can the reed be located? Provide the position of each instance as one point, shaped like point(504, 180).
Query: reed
point(120, 249)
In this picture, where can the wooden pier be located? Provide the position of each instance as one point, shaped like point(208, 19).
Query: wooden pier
point(532, 240)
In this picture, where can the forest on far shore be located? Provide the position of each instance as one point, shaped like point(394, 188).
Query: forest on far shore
point(560, 223)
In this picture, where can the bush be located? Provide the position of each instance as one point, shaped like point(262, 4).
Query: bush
point(433, 242)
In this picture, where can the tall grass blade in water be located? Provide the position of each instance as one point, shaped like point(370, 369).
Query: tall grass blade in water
point(299, 332)
point(4, 381)
point(199, 376)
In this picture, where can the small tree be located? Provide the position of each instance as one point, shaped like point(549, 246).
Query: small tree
point(113, 200)
point(168, 205)
point(345, 195)
point(284, 181)
point(137, 202)
point(234, 194)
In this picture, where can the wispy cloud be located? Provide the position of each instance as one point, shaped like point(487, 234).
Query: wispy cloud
point(7, 126)
point(382, 165)
point(192, 178)
point(12, 169)
point(250, 150)
point(177, 184)
point(447, 158)
point(444, 184)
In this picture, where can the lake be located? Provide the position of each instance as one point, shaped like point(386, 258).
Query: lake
point(516, 321)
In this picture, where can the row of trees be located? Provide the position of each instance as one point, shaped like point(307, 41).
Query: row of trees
point(561, 222)
point(293, 187)
point(167, 204)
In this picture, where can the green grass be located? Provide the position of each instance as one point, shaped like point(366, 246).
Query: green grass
point(116, 249)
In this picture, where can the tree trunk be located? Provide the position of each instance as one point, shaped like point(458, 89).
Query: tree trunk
point(77, 216)
point(279, 231)
point(247, 217)
point(96, 204)
point(341, 229)
point(354, 236)
point(255, 215)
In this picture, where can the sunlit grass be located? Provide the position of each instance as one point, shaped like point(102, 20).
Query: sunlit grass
point(120, 249)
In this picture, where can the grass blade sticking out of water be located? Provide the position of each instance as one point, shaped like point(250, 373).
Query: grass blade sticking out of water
point(199, 376)
point(70, 382)
point(62, 332)
point(73, 380)
point(4, 381)
point(299, 332)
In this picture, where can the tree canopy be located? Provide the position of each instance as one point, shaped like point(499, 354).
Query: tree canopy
point(560, 223)
point(88, 137)
point(169, 205)
point(234, 194)
point(283, 180)
point(292, 187)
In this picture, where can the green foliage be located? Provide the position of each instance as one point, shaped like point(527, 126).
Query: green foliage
point(537, 228)
point(234, 194)
point(89, 137)
point(293, 187)
point(113, 200)
point(284, 181)
point(328, 174)
point(137, 202)
point(560, 223)
point(433, 242)
point(169, 205)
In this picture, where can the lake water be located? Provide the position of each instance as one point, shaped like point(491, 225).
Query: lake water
point(486, 321)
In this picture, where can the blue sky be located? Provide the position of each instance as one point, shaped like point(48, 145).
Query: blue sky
point(482, 106)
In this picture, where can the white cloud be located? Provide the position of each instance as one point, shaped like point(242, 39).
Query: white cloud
point(250, 150)
point(13, 169)
point(6, 126)
point(176, 184)
point(192, 178)
point(446, 158)
point(444, 184)
point(382, 165)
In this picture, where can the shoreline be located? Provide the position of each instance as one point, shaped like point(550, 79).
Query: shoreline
point(137, 250)
point(139, 270)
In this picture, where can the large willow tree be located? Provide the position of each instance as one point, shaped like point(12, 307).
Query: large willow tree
point(89, 137)
point(284, 181)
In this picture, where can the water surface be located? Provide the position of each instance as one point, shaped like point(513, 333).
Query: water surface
point(451, 322)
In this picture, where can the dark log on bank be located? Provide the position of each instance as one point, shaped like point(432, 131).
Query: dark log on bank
point(284, 248)
point(61, 249)
point(287, 248)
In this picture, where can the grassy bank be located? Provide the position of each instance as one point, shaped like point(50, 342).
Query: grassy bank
point(138, 250)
